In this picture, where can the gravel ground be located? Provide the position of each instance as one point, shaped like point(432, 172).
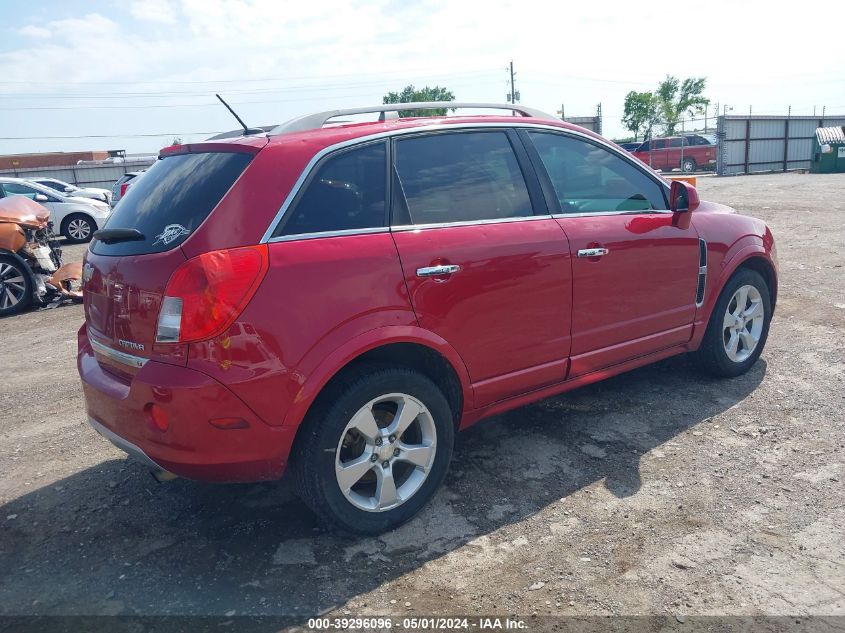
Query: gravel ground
point(656, 492)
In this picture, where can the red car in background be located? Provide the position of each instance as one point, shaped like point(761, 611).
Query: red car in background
point(339, 301)
point(687, 153)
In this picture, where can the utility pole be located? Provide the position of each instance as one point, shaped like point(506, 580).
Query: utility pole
point(512, 96)
point(598, 119)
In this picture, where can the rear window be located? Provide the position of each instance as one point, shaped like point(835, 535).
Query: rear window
point(172, 199)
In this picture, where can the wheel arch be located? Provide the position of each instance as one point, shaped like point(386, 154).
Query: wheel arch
point(766, 269)
point(752, 256)
point(402, 346)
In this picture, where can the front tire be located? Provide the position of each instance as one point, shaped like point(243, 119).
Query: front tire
point(374, 449)
point(78, 228)
point(15, 286)
point(688, 165)
point(738, 327)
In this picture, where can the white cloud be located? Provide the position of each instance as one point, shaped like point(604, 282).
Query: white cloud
point(31, 30)
point(161, 11)
point(336, 53)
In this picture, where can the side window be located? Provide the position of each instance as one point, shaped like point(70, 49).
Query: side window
point(460, 177)
point(15, 189)
point(644, 147)
point(677, 142)
point(587, 177)
point(347, 192)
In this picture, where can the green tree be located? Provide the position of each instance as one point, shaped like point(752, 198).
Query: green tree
point(642, 113)
point(409, 94)
point(678, 98)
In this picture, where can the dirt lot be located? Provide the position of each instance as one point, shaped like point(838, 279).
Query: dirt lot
point(656, 492)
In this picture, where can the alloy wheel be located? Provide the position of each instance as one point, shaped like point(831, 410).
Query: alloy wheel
point(79, 229)
point(742, 325)
point(12, 286)
point(386, 452)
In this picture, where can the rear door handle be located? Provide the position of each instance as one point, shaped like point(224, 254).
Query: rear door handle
point(592, 252)
point(437, 271)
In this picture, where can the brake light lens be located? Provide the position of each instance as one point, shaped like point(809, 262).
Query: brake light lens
point(207, 293)
point(123, 189)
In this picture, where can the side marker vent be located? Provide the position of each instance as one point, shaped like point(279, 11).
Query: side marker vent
point(702, 273)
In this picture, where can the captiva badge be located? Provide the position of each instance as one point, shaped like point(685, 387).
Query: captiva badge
point(171, 232)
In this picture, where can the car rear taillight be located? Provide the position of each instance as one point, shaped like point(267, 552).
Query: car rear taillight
point(123, 189)
point(207, 293)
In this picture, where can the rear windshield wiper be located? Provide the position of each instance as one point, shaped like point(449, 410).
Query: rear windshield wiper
point(110, 236)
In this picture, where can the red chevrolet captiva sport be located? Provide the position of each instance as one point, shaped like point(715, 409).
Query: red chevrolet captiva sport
point(338, 300)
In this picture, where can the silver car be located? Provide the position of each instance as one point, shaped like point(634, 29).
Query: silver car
point(75, 218)
point(95, 193)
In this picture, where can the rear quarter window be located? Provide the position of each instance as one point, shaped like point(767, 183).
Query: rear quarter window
point(173, 198)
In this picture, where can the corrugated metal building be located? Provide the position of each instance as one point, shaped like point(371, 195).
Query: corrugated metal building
point(755, 143)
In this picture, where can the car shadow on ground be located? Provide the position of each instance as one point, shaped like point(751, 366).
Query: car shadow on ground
point(110, 540)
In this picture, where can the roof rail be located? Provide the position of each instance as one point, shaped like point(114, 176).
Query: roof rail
point(319, 119)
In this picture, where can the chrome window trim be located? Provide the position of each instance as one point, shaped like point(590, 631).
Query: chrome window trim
point(320, 234)
point(588, 214)
point(439, 127)
point(445, 225)
point(120, 357)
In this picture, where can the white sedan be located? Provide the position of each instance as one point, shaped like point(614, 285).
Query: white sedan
point(95, 193)
point(75, 218)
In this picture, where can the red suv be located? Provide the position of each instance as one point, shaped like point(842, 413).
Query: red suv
point(340, 300)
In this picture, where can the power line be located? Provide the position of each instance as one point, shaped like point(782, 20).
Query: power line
point(54, 138)
point(364, 92)
point(428, 72)
point(169, 94)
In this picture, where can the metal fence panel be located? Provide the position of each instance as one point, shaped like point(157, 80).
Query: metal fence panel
point(82, 175)
point(749, 143)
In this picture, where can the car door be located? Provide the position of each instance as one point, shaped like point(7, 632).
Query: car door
point(51, 202)
point(678, 148)
point(635, 264)
point(658, 156)
point(486, 266)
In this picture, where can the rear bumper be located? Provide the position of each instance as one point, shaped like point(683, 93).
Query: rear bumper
point(125, 445)
point(190, 447)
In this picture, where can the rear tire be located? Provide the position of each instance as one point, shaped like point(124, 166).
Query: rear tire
point(78, 228)
point(738, 328)
point(361, 465)
point(15, 286)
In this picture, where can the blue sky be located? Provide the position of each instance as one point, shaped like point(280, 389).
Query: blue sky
point(131, 74)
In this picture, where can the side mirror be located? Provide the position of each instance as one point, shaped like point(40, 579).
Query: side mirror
point(68, 189)
point(40, 197)
point(682, 197)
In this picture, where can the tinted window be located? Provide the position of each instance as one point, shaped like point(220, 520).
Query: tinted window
point(347, 192)
point(677, 142)
point(460, 177)
point(588, 177)
point(644, 147)
point(17, 189)
point(172, 199)
point(52, 184)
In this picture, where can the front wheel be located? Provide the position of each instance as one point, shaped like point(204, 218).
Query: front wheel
point(374, 449)
point(78, 228)
point(15, 286)
point(738, 327)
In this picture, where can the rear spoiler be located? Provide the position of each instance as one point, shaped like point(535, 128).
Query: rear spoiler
point(243, 145)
